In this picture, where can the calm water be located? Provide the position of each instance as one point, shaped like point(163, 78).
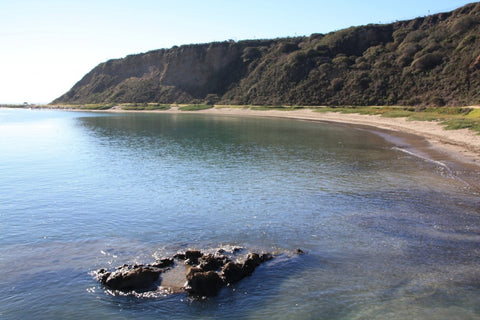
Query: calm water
point(388, 235)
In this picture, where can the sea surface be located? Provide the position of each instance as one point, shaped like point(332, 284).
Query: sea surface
point(387, 235)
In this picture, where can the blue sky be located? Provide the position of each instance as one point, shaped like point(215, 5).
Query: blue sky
point(47, 46)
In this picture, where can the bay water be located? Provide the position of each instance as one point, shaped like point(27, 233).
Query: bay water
point(387, 235)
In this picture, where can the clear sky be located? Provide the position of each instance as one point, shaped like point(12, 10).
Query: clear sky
point(48, 45)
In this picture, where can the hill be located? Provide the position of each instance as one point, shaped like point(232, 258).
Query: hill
point(432, 60)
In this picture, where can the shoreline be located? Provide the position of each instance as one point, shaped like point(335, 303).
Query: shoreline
point(458, 151)
point(462, 143)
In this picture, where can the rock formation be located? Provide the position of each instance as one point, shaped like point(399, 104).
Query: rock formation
point(205, 274)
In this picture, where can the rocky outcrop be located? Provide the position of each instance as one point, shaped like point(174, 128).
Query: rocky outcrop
point(203, 283)
point(134, 278)
point(131, 278)
point(206, 273)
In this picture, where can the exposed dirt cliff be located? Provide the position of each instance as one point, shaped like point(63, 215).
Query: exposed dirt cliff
point(429, 60)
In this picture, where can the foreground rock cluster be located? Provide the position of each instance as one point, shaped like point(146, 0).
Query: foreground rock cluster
point(205, 273)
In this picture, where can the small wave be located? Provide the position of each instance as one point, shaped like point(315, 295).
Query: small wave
point(445, 168)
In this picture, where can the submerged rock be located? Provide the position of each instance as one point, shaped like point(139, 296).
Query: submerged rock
point(205, 274)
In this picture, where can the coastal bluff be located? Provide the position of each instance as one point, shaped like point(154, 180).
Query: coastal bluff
point(432, 60)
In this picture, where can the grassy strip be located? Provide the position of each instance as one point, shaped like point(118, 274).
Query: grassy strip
point(90, 106)
point(96, 106)
point(451, 117)
point(226, 106)
point(454, 124)
point(195, 107)
point(281, 108)
point(148, 107)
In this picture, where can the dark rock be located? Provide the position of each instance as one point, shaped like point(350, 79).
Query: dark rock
point(232, 272)
point(192, 257)
point(191, 262)
point(179, 256)
point(237, 249)
point(222, 260)
point(126, 279)
point(201, 283)
point(251, 263)
point(193, 254)
point(208, 274)
point(102, 275)
point(266, 257)
point(191, 272)
point(163, 263)
point(299, 251)
point(209, 262)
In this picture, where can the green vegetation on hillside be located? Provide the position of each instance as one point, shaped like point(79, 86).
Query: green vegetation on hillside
point(429, 61)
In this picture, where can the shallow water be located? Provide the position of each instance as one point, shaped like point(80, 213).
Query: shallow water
point(387, 234)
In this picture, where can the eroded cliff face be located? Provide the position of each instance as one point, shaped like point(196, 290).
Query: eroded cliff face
point(179, 74)
point(429, 60)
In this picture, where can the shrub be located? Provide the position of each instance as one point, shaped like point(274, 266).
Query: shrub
point(323, 50)
point(288, 47)
point(211, 99)
point(464, 24)
point(415, 36)
point(404, 60)
point(251, 53)
point(437, 101)
point(336, 84)
point(427, 62)
point(342, 61)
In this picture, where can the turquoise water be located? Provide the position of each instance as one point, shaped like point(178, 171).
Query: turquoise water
point(387, 235)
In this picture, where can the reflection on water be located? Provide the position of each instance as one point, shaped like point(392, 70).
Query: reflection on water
point(386, 235)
